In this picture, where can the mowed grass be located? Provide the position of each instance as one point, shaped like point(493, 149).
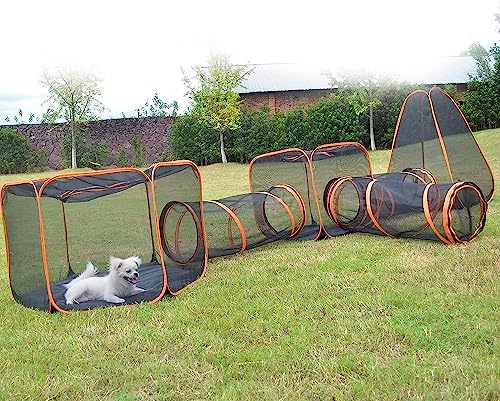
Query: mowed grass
point(357, 317)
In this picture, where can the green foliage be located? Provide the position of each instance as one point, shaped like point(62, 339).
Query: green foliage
point(158, 108)
point(88, 152)
point(122, 159)
point(73, 96)
point(482, 98)
point(329, 120)
point(17, 155)
point(139, 158)
point(214, 103)
point(191, 140)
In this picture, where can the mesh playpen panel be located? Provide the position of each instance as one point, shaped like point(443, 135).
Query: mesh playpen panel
point(290, 167)
point(22, 238)
point(177, 193)
point(333, 161)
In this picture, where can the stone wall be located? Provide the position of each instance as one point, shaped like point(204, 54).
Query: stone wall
point(115, 133)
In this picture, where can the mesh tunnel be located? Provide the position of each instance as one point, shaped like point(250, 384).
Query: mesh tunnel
point(247, 221)
point(450, 213)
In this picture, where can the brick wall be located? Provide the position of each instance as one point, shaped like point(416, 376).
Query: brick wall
point(115, 133)
point(282, 101)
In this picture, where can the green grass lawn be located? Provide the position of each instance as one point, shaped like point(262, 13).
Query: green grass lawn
point(357, 317)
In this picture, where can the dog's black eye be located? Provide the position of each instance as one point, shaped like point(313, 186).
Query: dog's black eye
point(128, 271)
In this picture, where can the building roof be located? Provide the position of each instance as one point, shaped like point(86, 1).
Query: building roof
point(287, 77)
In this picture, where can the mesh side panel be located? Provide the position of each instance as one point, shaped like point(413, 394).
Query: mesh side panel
point(265, 218)
point(181, 184)
point(223, 233)
point(289, 167)
point(112, 225)
point(417, 144)
point(345, 200)
point(466, 213)
point(398, 208)
point(335, 161)
point(466, 160)
point(27, 278)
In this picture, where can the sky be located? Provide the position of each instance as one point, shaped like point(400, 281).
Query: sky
point(138, 48)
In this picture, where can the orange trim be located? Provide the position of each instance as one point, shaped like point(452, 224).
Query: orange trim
point(447, 208)
point(473, 138)
point(285, 206)
point(300, 203)
point(441, 140)
point(428, 216)
point(175, 255)
point(196, 170)
point(331, 202)
point(65, 234)
point(4, 221)
point(398, 123)
point(311, 168)
point(345, 144)
point(427, 173)
point(369, 209)
point(414, 175)
point(149, 216)
point(41, 222)
point(236, 220)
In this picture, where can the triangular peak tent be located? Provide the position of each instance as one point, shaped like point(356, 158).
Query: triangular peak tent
point(433, 134)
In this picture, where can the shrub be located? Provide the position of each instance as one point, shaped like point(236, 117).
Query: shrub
point(122, 159)
point(139, 158)
point(88, 153)
point(17, 155)
point(191, 140)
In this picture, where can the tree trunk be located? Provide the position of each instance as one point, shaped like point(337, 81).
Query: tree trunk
point(73, 146)
point(222, 152)
point(372, 135)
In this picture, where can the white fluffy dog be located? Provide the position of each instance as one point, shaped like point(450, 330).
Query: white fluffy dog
point(120, 282)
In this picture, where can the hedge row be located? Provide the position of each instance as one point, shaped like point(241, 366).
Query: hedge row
point(331, 119)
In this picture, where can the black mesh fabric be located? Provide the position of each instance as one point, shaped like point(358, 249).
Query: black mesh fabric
point(466, 160)
point(449, 213)
point(92, 228)
point(179, 206)
point(289, 167)
point(262, 217)
point(20, 219)
point(333, 161)
point(433, 134)
point(416, 141)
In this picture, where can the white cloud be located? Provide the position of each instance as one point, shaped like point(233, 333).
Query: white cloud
point(138, 46)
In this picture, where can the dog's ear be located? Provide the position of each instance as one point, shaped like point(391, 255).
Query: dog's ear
point(115, 263)
point(136, 260)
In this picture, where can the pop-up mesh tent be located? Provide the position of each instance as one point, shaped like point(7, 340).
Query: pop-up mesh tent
point(433, 134)
point(54, 226)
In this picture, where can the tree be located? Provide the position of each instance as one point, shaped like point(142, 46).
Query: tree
point(364, 91)
point(214, 103)
point(158, 108)
point(74, 97)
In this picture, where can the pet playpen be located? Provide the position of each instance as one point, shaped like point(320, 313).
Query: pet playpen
point(53, 226)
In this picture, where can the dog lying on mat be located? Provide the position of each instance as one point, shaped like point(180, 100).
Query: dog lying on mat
point(119, 282)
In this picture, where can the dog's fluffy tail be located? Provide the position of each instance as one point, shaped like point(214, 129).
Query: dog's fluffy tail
point(90, 271)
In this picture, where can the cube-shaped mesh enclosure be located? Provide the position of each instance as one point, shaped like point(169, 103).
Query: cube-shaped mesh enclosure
point(54, 226)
